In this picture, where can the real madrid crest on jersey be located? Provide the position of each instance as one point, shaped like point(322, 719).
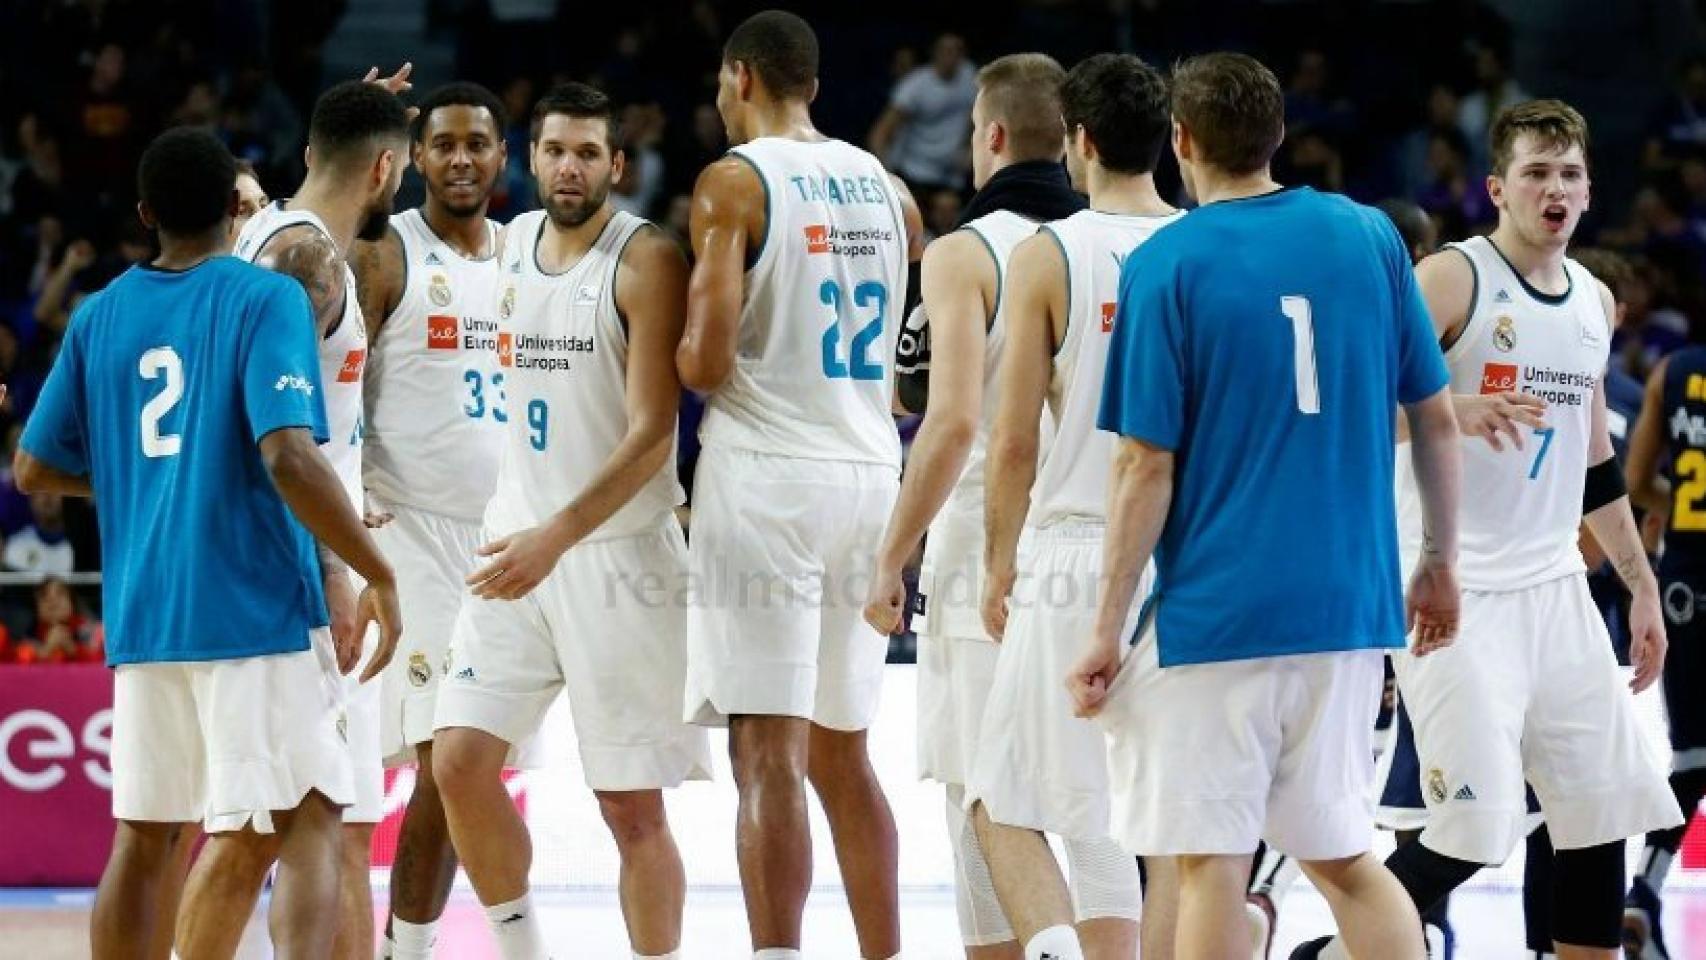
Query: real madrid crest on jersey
point(1436, 785)
point(507, 305)
point(1504, 334)
point(438, 291)
point(419, 671)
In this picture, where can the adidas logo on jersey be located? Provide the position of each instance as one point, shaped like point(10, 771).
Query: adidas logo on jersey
point(1463, 793)
point(466, 673)
point(432, 259)
point(1503, 296)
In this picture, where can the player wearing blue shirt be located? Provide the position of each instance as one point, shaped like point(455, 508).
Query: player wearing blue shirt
point(1260, 347)
point(185, 401)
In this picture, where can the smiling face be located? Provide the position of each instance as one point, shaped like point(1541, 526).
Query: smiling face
point(460, 155)
point(1543, 191)
point(574, 167)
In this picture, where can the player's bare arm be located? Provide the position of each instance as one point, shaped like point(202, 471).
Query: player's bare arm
point(911, 218)
point(1433, 603)
point(1447, 282)
point(1036, 322)
point(1140, 492)
point(1613, 525)
point(1647, 489)
point(305, 253)
point(33, 476)
point(728, 220)
point(959, 296)
point(380, 273)
point(651, 286)
point(315, 497)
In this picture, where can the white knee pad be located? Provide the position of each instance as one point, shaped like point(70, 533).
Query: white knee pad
point(1104, 880)
point(981, 921)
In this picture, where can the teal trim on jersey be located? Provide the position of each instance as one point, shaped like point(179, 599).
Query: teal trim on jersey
point(996, 311)
point(1474, 293)
point(756, 254)
point(1066, 264)
point(571, 267)
point(1549, 299)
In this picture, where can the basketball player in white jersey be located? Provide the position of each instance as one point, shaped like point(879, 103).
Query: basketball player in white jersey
point(1532, 688)
point(802, 246)
point(1038, 768)
point(583, 585)
point(356, 146)
point(251, 198)
point(434, 428)
point(1016, 147)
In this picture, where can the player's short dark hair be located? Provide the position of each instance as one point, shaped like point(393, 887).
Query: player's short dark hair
point(186, 178)
point(579, 101)
point(1121, 102)
point(780, 48)
point(1234, 108)
point(1411, 220)
point(1609, 267)
point(1557, 125)
point(354, 117)
point(459, 94)
point(1022, 90)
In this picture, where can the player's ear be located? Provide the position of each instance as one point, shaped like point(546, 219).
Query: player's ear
point(145, 213)
point(618, 163)
point(1181, 141)
point(812, 96)
point(308, 157)
point(1496, 190)
point(997, 136)
point(382, 168)
point(743, 79)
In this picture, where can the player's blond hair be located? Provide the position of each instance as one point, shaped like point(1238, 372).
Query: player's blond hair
point(1022, 90)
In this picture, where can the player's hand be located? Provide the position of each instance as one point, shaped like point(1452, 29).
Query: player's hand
point(80, 255)
point(397, 83)
point(1490, 415)
point(341, 605)
point(1432, 606)
point(519, 562)
point(1092, 676)
point(997, 588)
point(378, 605)
point(886, 600)
point(1647, 642)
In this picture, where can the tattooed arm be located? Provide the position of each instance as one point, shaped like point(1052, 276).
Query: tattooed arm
point(308, 255)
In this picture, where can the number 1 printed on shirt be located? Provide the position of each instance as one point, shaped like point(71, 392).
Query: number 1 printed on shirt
point(1302, 318)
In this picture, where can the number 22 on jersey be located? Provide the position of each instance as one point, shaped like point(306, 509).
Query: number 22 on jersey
point(857, 364)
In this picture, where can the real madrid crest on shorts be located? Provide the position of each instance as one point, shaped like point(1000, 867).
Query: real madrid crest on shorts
point(507, 305)
point(419, 670)
point(1436, 785)
point(438, 290)
point(1504, 334)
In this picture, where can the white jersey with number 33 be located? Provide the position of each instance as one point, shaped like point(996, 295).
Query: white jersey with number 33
point(814, 365)
point(1520, 509)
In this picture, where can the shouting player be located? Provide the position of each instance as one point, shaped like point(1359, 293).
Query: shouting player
point(801, 246)
point(434, 426)
point(1508, 700)
point(582, 587)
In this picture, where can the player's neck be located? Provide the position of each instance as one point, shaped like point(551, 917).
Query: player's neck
point(1213, 186)
point(182, 253)
point(787, 121)
point(468, 235)
point(336, 208)
point(1128, 195)
point(560, 248)
point(1541, 266)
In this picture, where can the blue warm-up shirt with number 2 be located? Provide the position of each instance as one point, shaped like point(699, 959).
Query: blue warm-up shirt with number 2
point(161, 393)
point(1267, 342)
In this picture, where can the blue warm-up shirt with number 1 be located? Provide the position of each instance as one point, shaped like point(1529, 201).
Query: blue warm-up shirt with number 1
point(161, 393)
point(1267, 342)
